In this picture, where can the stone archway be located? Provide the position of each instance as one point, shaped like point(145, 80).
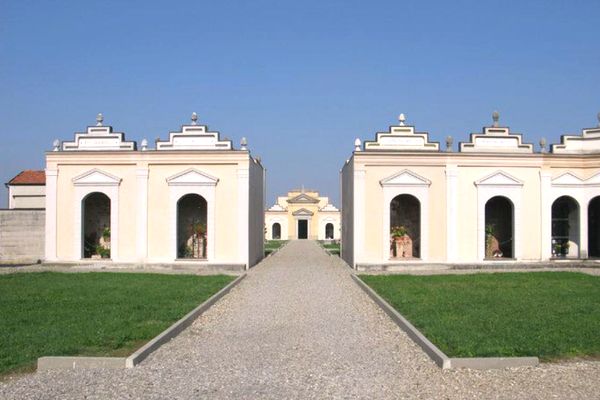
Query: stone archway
point(405, 216)
point(96, 233)
point(191, 227)
point(499, 228)
point(329, 231)
point(276, 231)
point(594, 228)
point(565, 227)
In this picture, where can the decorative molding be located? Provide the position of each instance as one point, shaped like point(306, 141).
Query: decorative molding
point(495, 139)
point(96, 177)
point(194, 137)
point(192, 177)
point(405, 178)
point(587, 142)
point(303, 212)
point(303, 198)
point(99, 138)
point(499, 178)
point(401, 138)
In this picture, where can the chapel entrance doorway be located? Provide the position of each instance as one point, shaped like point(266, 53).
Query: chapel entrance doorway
point(302, 229)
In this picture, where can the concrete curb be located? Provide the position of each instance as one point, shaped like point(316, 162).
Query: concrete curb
point(438, 356)
point(50, 363)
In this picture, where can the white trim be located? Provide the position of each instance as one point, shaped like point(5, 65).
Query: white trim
point(500, 184)
point(406, 182)
point(243, 181)
point(141, 175)
point(451, 213)
point(359, 215)
point(96, 178)
point(282, 221)
point(192, 177)
point(179, 188)
point(51, 211)
point(545, 215)
point(112, 192)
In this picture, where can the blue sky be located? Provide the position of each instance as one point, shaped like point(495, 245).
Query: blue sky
point(299, 79)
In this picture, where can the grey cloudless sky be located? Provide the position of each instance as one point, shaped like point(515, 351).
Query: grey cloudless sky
point(299, 79)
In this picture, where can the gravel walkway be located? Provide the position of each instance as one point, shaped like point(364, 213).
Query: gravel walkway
point(299, 327)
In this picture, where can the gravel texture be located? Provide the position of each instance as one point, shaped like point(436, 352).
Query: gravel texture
point(299, 327)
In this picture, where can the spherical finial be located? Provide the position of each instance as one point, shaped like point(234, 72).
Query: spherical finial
point(243, 144)
point(543, 145)
point(357, 144)
point(99, 119)
point(144, 144)
point(449, 143)
point(495, 117)
point(56, 145)
point(194, 118)
point(401, 118)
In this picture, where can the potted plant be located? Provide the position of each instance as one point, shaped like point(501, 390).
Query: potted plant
point(401, 242)
point(492, 247)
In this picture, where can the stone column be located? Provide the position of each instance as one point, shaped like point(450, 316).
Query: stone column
point(51, 209)
point(142, 214)
point(359, 215)
point(243, 182)
point(451, 213)
point(545, 215)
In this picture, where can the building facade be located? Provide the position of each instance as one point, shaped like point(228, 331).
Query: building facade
point(405, 200)
point(191, 198)
point(27, 190)
point(302, 214)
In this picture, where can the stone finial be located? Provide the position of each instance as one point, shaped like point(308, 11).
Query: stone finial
point(598, 116)
point(99, 119)
point(542, 145)
point(357, 144)
point(243, 144)
point(194, 118)
point(401, 118)
point(144, 144)
point(56, 145)
point(258, 160)
point(495, 118)
point(449, 143)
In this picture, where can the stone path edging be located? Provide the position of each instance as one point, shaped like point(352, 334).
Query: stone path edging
point(438, 356)
point(48, 363)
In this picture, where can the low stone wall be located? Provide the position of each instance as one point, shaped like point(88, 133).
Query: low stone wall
point(22, 235)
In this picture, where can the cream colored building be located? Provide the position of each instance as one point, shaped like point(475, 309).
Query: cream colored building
point(192, 198)
point(27, 190)
point(495, 199)
point(302, 214)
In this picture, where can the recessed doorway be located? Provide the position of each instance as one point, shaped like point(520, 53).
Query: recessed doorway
point(302, 229)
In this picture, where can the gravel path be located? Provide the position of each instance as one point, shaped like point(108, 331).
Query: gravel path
point(299, 327)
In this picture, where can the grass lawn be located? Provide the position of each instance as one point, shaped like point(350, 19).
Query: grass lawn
point(272, 245)
point(93, 314)
point(551, 315)
point(332, 248)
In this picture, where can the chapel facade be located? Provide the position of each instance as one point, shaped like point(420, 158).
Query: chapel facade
point(496, 199)
point(302, 214)
point(191, 198)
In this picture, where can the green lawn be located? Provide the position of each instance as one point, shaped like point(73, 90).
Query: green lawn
point(332, 248)
point(272, 245)
point(551, 315)
point(93, 314)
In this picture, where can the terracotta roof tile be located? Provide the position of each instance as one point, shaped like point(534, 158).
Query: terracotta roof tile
point(29, 177)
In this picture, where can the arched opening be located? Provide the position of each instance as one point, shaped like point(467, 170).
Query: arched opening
point(499, 228)
point(565, 227)
point(96, 226)
point(405, 227)
point(276, 231)
point(191, 227)
point(328, 231)
point(594, 227)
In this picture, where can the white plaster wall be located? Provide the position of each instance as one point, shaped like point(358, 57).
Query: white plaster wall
point(256, 215)
point(27, 196)
point(347, 200)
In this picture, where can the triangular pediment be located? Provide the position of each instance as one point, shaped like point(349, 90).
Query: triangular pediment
point(405, 178)
point(593, 180)
point(499, 178)
point(302, 212)
point(303, 198)
point(568, 178)
point(192, 177)
point(96, 177)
